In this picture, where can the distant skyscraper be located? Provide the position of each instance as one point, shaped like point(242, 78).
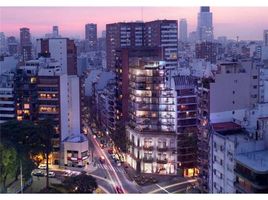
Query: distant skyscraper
point(91, 35)
point(2, 42)
point(183, 30)
point(265, 37)
point(55, 32)
point(192, 36)
point(12, 45)
point(205, 24)
point(25, 44)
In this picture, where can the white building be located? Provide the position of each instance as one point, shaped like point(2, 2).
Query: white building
point(7, 101)
point(183, 30)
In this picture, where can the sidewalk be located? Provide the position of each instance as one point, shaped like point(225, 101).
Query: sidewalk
point(88, 168)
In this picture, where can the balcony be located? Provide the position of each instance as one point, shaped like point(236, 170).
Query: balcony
point(162, 149)
point(148, 148)
point(148, 159)
point(161, 161)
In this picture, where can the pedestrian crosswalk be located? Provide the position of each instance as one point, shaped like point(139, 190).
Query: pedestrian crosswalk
point(108, 167)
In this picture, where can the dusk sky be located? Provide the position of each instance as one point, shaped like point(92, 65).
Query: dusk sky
point(247, 23)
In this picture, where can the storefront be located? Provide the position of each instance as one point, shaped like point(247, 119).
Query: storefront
point(76, 151)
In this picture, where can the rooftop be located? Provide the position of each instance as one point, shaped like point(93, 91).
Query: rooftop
point(256, 161)
point(226, 127)
point(75, 138)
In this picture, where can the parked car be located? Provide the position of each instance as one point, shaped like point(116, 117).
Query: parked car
point(38, 173)
point(51, 174)
point(42, 166)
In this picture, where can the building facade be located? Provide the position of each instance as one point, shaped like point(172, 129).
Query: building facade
point(151, 135)
point(25, 44)
point(91, 36)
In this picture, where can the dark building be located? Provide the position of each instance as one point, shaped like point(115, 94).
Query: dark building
point(159, 33)
point(12, 45)
point(25, 44)
point(123, 57)
point(207, 51)
point(204, 131)
point(186, 126)
point(91, 36)
point(121, 35)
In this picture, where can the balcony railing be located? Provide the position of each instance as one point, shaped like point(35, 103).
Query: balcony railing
point(148, 159)
point(162, 149)
point(161, 161)
point(148, 148)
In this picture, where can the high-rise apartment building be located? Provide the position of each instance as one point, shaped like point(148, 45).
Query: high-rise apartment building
point(61, 49)
point(91, 36)
point(12, 45)
point(186, 124)
point(151, 135)
point(123, 57)
point(25, 44)
point(183, 30)
point(159, 33)
point(122, 35)
point(205, 24)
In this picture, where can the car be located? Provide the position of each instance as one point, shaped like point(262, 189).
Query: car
point(102, 159)
point(42, 166)
point(38, 173)
point(51, 174)
point(119, 190)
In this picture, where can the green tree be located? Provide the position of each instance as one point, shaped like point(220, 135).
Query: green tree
point(40, 141)
point(18, 134)
point(8, 165)
point(82, 183)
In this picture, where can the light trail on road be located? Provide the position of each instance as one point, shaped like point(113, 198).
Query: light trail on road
point(102, 152)
point(175, 184)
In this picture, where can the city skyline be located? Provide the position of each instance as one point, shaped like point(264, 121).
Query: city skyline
point(249, 27)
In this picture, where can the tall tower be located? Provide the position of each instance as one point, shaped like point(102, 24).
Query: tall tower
point(265, 37)
point(55, 31)
point(205, 24)
point(91, 36)
point(183, 30)
point(25, 44)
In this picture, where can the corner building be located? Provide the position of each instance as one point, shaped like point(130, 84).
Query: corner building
point(150, 133)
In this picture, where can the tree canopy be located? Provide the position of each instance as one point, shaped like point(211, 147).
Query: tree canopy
point(82, 183)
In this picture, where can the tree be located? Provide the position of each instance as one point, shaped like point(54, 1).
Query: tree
point(17, 134)
point(8, 165)
point(41, 141)
point(82, 183)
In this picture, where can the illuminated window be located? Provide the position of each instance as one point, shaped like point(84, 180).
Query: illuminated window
point(33, 80)
point(19, 112)
point(19, 118)
point(26, 106)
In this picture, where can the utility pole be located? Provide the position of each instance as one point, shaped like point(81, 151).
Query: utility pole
point(21, 183)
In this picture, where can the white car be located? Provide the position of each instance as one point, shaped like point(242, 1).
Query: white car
point(42, 166)
point(51, 174)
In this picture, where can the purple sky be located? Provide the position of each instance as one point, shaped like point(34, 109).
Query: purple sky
point(247, 23)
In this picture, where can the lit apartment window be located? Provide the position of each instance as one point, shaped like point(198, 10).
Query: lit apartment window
point(26, 106)
point(33, 80)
